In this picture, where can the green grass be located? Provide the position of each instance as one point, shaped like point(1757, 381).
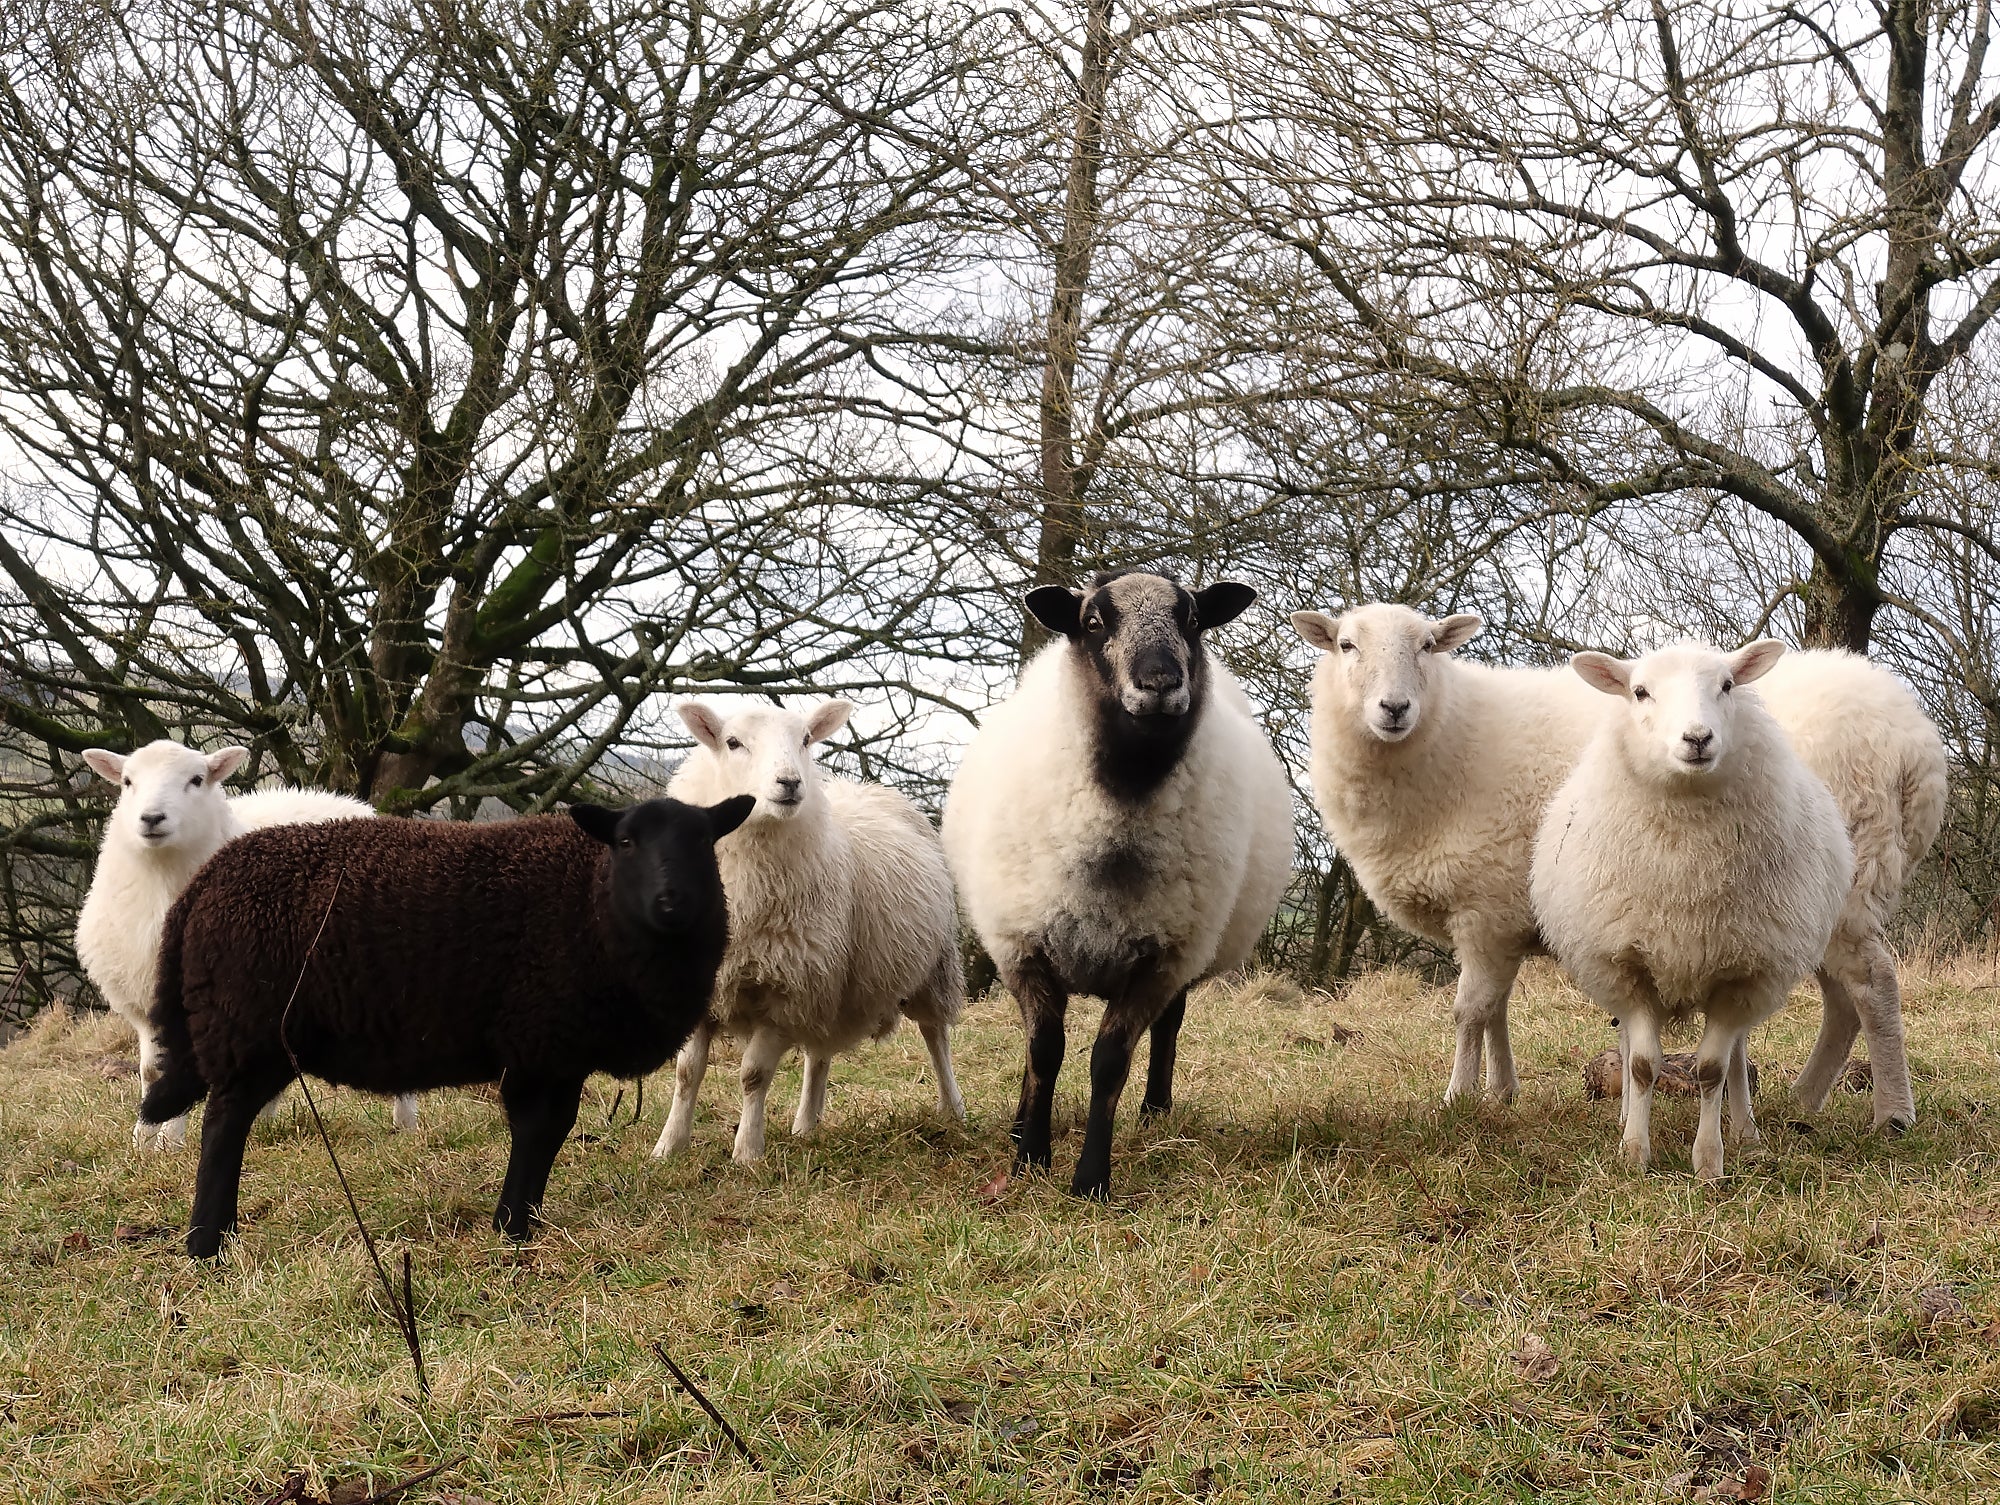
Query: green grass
point(1314, 1283)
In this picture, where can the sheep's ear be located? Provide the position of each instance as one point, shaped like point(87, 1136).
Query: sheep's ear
point(1603, 672)
point(1754, 660)
point(1224, 601)
point(1057, 608)
point(731, 813)
point(107, 765)
point(702, 722)
point(827, 719)
point(596, 822)
point(1317, 628)
point(1455, 631)
point(222, 764)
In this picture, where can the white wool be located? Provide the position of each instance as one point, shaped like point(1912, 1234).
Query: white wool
point(1029, 832)
point(841, 915)
point(137, 879)
point(1439, 823)
point(1670, 887)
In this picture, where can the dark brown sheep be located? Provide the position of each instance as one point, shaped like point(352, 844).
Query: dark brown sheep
point(396, 956)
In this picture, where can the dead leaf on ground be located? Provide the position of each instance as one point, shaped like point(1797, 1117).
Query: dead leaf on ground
point(1752, 1484)
point(993, 1188)
point(142, 1233)
point(1535, 1360)
point(1604, 1075)
point(1939, 1305)
point(117, 1068)
point(1371, 1455)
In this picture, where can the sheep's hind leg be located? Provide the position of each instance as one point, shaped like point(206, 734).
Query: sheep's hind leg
point(1044, 1003)
point(403, 1115)
point(1882, 1025)
point(225, 1130)
point(1479, 1012)
point(172, 1134)
point(761, 1055)
point(937, 1040)
point(1159, 1096)
point(540, 1114)
point(812, 1093)
point(690, 1066)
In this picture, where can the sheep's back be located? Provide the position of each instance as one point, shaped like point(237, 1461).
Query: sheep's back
point(904, 911)
point(422, 953)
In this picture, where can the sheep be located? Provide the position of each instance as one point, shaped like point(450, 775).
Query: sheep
point(1691, 864)
point(399, 955)
point(1119, 826)
point(172, 815)
point(841, 913)
point(1863, 732)
point(1432, 774)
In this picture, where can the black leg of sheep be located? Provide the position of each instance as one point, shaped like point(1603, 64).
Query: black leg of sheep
point(1044, 1004)
point(540, 1114)
point(1143, 1002)
point(225, 1130)
point(1159, 1096)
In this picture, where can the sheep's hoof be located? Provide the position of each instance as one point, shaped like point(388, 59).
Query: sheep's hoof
point(1150, 1109)
point(1708, 1169)
point(1636, 1153)
point(1096, 1190)
point(1894, 1125)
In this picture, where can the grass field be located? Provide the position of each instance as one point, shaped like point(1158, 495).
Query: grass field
point(1314, 1283)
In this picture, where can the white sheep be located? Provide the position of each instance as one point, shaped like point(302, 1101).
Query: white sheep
point(1692, 864)
point(1862, 731)
point(841, 916)
point(1431, 774)
point(172, 815)
point(1119, 826)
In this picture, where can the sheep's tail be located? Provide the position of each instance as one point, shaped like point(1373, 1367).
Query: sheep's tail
point(179, 1087)
point(1926, 789)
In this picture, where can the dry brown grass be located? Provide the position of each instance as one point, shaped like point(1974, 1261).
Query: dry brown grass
point(1315, 1283)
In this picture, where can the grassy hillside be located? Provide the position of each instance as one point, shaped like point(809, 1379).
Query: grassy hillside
point(1314, 1284)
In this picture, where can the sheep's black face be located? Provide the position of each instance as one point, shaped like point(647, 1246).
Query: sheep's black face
point(1137, 638)
point(664, 878)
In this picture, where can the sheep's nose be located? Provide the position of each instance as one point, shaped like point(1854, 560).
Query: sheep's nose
point(1159, 679)
point(1394, 709)
point(1697, 740)
point(789, 783)
point(153, 818)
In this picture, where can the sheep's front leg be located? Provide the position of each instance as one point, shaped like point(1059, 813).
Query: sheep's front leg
point(1159, 1096)
point(1044, 1004)
point(1642, 1069)
point(1839, 1023)
point(540, 1114)
point(1143, 1001)
point(1721, 1038)
point(218, 1177)
point(1486, 972)
point(766, 1048)
point(690, 1066)
point(937, 1040)
point(812, 1094)
point(403, 1116)
point(1742, 1115)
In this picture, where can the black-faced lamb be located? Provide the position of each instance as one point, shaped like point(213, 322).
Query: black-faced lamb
point(1691, 865)
point(1120, 826)
point(400, 955)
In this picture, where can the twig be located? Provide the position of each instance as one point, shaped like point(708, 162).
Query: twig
point(405, 1307)
point(638, 1104)
point(383, 1497)
point(1436, 1207)
point(542, 1418)
point(660, 1348)
point(291, 1489)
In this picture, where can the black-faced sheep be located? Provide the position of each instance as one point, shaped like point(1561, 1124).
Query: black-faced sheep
point(400, 955)
point(1119, 826)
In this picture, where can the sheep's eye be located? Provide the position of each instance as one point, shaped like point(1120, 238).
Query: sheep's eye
point(625, 842)
point(1639, 693)
point(195, 782)
point(733, 745)
point(807, 740)
point(1093, 623)
point(1728, 685)
point(128, 783)
point(1346, 646)
point(1430, 645)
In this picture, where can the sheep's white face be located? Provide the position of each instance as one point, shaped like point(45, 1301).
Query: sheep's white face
point(1681, 703)
point(169, 796)
point(765, 751)
point(1385, 658)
